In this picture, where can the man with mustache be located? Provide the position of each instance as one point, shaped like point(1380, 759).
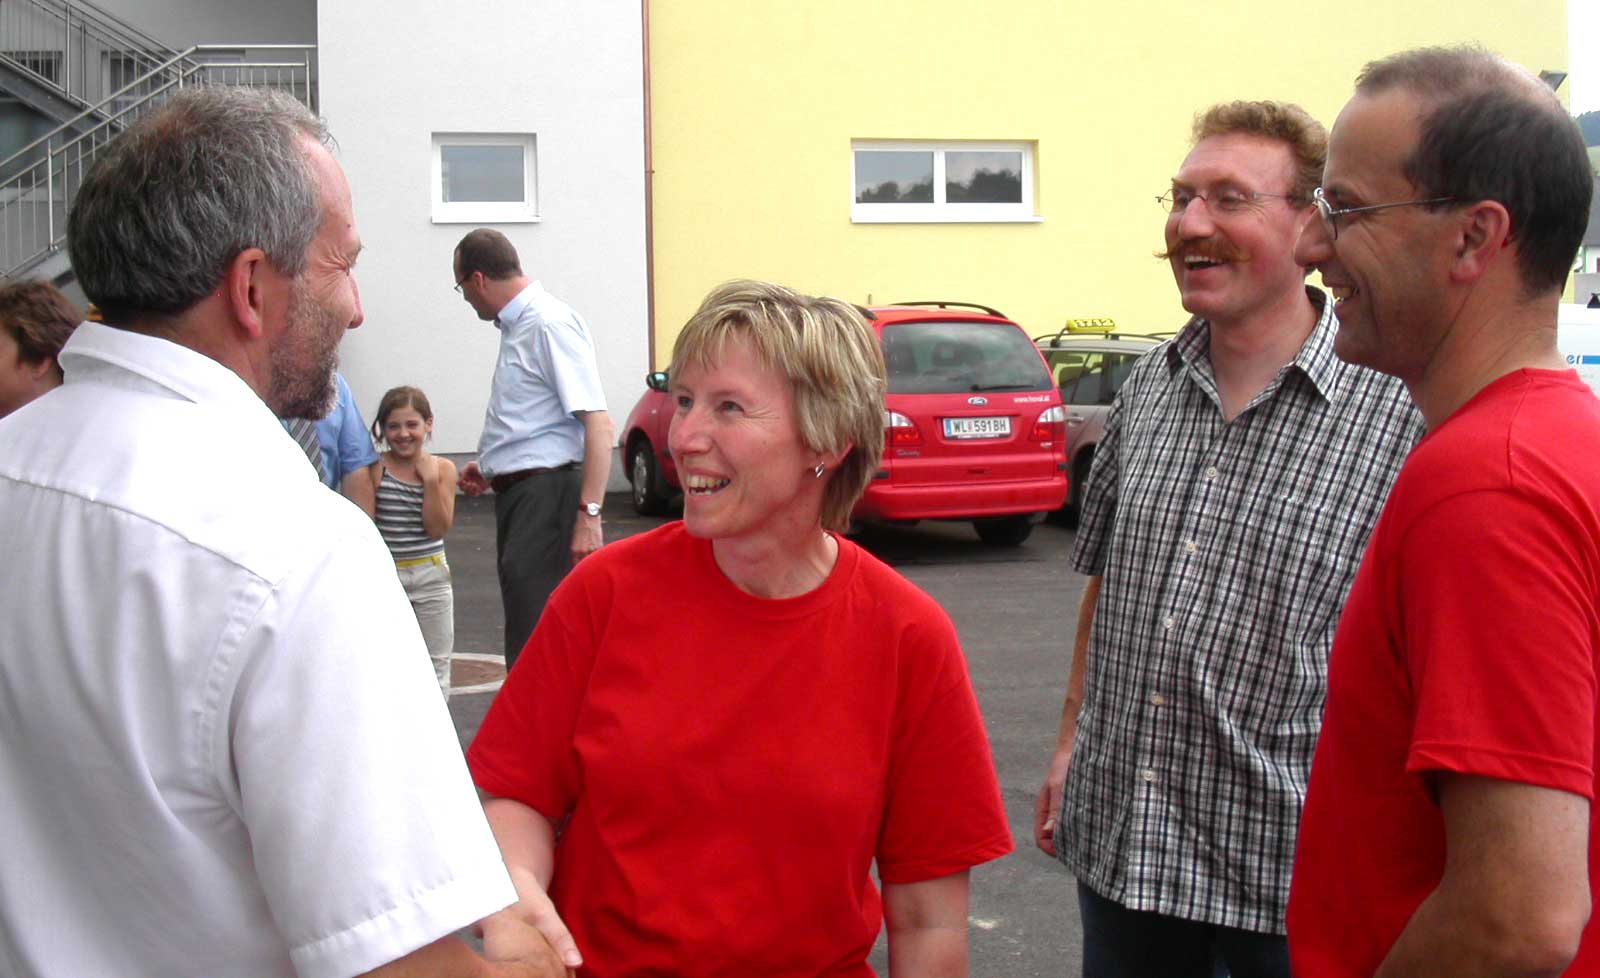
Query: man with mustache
point(1241, 472)
point(1450, 821)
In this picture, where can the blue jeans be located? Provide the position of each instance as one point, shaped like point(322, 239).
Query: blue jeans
point(1123, 943)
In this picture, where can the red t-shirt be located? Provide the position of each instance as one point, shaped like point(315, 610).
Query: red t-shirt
point(732, 766)
point(1468, 644)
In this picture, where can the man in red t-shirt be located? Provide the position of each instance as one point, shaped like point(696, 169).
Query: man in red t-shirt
point(1448, 821)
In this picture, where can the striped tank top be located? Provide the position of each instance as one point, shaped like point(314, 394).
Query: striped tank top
point(399, 518)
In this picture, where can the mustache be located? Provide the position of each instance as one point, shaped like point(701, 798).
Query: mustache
point(1209, 250)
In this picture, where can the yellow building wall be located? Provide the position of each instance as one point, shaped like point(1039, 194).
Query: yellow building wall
point(755, 104)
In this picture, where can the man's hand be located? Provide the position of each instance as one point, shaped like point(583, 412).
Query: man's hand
point(586, 537)
point(1047, 807)
point(472, 481)
point(513, 942)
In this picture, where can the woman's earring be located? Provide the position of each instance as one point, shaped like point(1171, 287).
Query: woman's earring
point(819, 470)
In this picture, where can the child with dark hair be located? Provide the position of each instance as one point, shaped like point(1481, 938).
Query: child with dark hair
point(415, 505)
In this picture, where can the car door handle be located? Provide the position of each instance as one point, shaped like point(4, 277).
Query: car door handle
point(1076, 419)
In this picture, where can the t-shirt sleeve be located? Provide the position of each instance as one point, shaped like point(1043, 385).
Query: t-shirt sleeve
point(1499, 628)
point(1097, 502)
point(524, 749)
point(943, 812)
point(570, 353)
point(340, 756)
point(356, 450)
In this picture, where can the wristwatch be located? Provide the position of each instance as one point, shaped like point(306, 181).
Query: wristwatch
point(593, 509)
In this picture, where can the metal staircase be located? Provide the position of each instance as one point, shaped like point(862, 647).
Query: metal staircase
point(62, 56)
point(95, 75)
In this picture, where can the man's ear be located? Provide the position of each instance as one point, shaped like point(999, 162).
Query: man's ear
point(1482, 233)
point(243, 290)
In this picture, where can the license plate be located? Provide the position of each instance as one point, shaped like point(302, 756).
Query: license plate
point(977, 427)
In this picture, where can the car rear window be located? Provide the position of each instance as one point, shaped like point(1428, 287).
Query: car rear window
point(961, 357)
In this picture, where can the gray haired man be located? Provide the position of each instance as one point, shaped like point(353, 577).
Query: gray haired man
point(224, 752)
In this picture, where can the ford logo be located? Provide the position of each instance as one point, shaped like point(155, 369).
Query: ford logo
point(977, 401)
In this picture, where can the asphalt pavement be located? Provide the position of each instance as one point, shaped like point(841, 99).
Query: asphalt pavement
point(1016, 611)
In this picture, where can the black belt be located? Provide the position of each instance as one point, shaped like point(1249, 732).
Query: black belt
point(501, 483)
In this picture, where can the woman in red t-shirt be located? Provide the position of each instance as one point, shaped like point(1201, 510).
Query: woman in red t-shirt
point(719, 727)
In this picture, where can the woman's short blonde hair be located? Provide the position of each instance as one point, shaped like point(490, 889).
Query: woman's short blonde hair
point(831, 358)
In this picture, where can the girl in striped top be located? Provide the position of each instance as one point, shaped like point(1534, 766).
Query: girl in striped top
point(416, 503)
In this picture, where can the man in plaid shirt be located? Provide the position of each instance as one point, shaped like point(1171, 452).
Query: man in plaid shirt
point(1241, 472)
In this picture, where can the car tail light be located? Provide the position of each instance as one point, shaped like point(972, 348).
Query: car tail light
point(899, 432)
point(1051, 426)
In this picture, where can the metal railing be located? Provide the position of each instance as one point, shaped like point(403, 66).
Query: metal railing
point(39, 182)
point(75, 48)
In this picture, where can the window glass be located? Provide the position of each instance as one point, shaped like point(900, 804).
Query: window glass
point(482, 173)
point(959, 182)
point(1117, 369)
point(1089, 387)
point(892, 177)
point(983, 178)
point(961, 358)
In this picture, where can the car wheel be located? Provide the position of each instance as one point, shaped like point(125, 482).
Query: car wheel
point(1006, 531)
point(642, 472)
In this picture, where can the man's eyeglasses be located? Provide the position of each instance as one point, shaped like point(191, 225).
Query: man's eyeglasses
point(1331, 214)
point(462, 279)
point(1226, 201)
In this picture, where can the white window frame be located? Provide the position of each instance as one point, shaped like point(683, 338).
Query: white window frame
point(940, 211)
point(525, 211)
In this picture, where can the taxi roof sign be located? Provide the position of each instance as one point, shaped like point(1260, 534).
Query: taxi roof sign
point(1092, 324)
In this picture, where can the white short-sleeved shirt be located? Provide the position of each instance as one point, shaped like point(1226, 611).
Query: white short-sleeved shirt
point(545, 372)
point(222, 747)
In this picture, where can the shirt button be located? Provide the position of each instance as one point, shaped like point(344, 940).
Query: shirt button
point(1211, 472)
point(1189, 546)
point(1148, 776)
point(1156, 699)
point(1169, 622)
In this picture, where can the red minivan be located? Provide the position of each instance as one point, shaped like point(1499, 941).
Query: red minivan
point(975, 430)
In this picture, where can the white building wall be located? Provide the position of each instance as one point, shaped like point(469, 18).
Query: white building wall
point(393, 72)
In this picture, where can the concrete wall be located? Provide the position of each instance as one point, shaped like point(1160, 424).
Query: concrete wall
point(755, 107)
point(396, 71)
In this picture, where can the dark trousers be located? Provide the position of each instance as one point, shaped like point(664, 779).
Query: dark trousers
point(1123, 943)
point(533, 523)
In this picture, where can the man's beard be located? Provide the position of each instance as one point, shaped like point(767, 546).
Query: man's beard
point(302, 384)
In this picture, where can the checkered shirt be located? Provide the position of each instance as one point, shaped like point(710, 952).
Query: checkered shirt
point(1227, 549)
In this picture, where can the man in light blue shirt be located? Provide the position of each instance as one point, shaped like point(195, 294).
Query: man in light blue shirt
point(345, 445)
point(546, 443)
point(347, 448)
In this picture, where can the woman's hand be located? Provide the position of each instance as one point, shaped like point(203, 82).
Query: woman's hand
point(508, 941)
point(527, 842)
point(534, 907)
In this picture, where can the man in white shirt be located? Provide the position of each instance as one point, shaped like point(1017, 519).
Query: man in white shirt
point(223, 749)
point(546, 443)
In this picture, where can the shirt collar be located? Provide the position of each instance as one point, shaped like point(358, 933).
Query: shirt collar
point(513, 309)
point(1316, 358)
point(94, 347)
